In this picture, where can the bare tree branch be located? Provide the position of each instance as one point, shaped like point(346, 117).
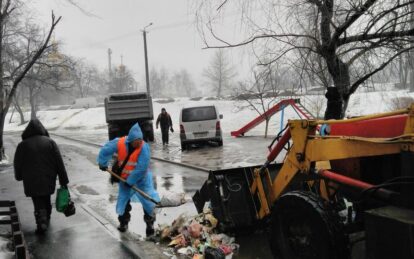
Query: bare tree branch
point(33, 60)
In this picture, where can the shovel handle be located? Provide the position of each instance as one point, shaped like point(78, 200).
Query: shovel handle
point(143, 194)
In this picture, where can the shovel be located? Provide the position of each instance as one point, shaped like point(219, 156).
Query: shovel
point(146, 196)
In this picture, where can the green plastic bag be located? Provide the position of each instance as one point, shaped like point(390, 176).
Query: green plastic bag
point(62, 199)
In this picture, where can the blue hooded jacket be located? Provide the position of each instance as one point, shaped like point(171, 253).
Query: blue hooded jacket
point(141, 176)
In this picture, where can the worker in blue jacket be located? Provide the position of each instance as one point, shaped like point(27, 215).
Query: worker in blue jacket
point(134, 157)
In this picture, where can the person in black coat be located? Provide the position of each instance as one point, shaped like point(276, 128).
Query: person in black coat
point(166, 124)
point(38, 162)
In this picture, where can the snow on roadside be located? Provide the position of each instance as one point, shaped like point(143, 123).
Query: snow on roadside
point(5, 253)
point(50, 119)
point(93, 120)
point(88, 119)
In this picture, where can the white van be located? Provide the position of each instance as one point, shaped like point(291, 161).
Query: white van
point(200, 124)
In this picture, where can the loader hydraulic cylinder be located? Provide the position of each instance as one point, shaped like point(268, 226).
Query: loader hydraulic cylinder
point(379, 193)
point(278, 147)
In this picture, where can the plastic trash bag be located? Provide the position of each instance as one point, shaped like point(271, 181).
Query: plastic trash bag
point(172, 199)
point(213, 253)
point(62, 199)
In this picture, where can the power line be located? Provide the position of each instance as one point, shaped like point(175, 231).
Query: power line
point(132, 34)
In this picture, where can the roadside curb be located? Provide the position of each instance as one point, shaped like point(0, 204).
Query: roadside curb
point(132, 243)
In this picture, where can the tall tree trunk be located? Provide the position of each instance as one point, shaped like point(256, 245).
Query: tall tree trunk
point(2, 94)
point(267, 126)
point(406, 69)
point(32, 101)
point(337, 96)
point(11, 116)
point(411, 52)
point(2, 119)
point(21, 114)
point(339, 71)
point(18, 109)
point(219, 89)
point(403, 70)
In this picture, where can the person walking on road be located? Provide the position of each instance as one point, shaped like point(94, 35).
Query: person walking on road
point(38, 163)
point(166, 124)
point(133, 166)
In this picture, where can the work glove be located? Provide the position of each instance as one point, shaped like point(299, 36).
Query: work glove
point(103, 168)
point(172, 130)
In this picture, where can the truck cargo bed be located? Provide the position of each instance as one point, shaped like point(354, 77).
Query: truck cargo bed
point(128, 106)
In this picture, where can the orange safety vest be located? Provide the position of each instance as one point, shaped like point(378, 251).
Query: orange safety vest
point(133, 158)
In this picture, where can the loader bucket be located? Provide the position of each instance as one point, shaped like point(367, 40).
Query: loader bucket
point(228, 191)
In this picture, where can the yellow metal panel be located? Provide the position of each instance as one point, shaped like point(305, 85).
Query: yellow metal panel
point(264, 208)
point(299, 130)
point(323, 165)
point(269, 185)
point(284, 177)
point(332, 149)
point(409, 125)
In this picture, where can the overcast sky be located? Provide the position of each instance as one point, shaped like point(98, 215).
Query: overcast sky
point(173, 41)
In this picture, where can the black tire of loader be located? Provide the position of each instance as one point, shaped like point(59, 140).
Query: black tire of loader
point(297, 209)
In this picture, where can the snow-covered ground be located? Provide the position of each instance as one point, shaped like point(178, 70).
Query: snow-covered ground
point(5, 253)
point(93, 119)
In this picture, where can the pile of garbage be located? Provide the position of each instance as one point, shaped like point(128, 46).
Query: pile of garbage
point(197, 238)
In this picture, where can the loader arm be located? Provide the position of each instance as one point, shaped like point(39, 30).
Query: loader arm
point(309, 150)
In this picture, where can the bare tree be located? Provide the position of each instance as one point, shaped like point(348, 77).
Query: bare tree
point(355, 39)
point(159, 79)
point(10, 82)
point(121, 80)
point(260, 94)
point(220, 72)
point(84, 78)
point(183, 83)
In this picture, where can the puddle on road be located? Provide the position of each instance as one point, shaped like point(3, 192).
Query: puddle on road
point(82, 189)
point(170, 183)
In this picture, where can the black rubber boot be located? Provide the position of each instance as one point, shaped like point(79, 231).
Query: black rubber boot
point(149, 220)
point(42, 221)
point(122, 227)
point(124, 219)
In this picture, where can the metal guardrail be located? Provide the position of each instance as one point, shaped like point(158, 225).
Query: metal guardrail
point(8, 208)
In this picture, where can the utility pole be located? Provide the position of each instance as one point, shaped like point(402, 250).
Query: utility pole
point(144, 33)
point(109, 62)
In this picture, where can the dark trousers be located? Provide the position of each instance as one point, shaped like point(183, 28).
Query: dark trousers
point(126, 217)
point(164, 132)
point(42, 203)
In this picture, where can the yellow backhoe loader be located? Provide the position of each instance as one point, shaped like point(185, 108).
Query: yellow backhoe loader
point(344, 185)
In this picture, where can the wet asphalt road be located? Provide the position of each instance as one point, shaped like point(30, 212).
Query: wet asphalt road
point(92, 187)
point(79, 236)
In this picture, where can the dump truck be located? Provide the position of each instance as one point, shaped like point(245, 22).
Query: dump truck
point(345, 188)
point(123, 110)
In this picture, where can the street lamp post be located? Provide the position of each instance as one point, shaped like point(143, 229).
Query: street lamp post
point(144, 32)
